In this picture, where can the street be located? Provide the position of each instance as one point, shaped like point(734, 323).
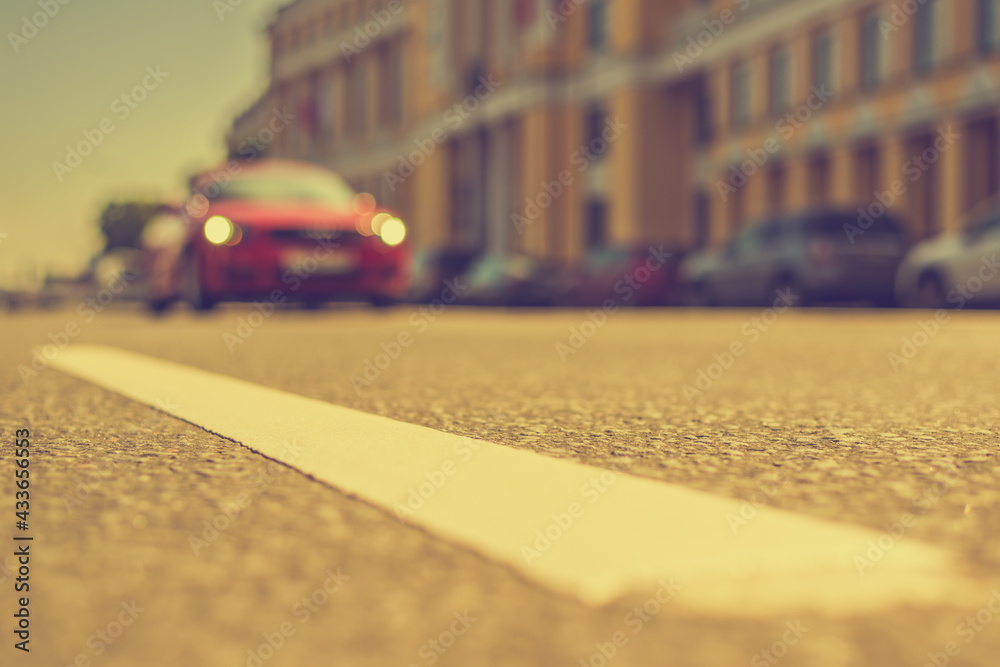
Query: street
point(158, 542)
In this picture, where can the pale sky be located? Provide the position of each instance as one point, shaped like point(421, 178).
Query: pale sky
point(65, 80)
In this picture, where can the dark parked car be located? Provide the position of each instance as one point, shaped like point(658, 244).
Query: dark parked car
point(512, 280)
point(629, 276)
point(431, 268)
point(821, 256)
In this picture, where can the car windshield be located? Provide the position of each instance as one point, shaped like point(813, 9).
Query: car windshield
point(487, 272)
point(331, 191)
point(607, 257)
point(834, 224)
point(984, 224)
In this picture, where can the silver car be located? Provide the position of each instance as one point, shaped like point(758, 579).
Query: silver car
point(955, 270)
point(818, 256)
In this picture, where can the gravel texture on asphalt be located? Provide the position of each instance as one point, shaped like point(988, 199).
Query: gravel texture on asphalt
point(811, 415)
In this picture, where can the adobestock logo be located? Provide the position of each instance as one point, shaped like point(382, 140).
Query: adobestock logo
point(626, 288)
point(582, 159)
point(223, 7)
point(421, 320)
point(544, 538)
point(635, 620)
point(122, 107)
point(704, 38)
point(88, 311)
point(752, 329)
point(779, 649)
point(967, 631)
point(454, 118)
point(364, 34)
point(37, 21)
point(432, 650)
point(740, 173)
point(913, 169)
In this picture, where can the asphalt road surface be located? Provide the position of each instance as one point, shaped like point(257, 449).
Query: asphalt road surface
point(859, 417)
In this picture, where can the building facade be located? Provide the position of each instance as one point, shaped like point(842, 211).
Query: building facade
point(553, 126)
point(855, 103)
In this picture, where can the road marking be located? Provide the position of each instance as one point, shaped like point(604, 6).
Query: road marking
point(624, 535)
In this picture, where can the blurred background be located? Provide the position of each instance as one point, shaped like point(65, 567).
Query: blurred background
point(538, 147)
point(560, 155)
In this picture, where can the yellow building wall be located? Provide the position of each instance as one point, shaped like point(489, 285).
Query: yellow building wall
point(625, 169)
point(429, 210)
point(533, 163)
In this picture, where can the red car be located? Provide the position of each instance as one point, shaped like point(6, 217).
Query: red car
point(640, 275)
point(275, 230)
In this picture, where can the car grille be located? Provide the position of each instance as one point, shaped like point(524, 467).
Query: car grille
point(306, 235)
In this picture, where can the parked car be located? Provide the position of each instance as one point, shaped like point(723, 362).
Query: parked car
point(955, 269)
point(162, 241)
point(514, 280)
point(604, 275)
point(431, 268)
point(280, 230)
point(820, 255)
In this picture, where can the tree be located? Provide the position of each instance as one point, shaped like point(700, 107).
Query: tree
point(122, 222)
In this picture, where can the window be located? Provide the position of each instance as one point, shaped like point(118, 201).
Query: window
point(737, 209)
point(470, 35)
point(325, 110)
point(871, 54)
point(866, 172)
point(982, 179)
point(598, 25)
point(923, 37)
point(597, 215)
point(703, 128)
point(702, 219)
point(823, 60)
point(819, 178)
point(779, 82)
point(987, 37)
point(595, 122)
point(439, 43)
point(503, 44)
point(924, 193)
point(358, 99)
point(739, 87)
point(776, 182)
point(752, 240)
point(391, 64)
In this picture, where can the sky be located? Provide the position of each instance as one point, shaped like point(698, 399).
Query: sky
point(195, 66)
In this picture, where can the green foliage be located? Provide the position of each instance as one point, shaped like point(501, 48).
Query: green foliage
point(122, 222)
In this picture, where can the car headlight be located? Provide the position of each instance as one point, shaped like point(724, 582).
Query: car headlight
point(392, 231)
point(222, 231)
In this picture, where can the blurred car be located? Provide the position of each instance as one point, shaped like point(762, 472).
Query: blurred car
point(955, 269)
point(281, 230)
point(162, 241)
point(822, 255)
point(512, 280)
point(603, 275)
point(431, 268)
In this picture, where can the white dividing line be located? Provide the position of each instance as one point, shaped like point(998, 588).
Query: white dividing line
point(631, 536)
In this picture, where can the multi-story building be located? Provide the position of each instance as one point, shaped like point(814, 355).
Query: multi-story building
point(499, 125)
point(858, 103)
point(551, 126)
